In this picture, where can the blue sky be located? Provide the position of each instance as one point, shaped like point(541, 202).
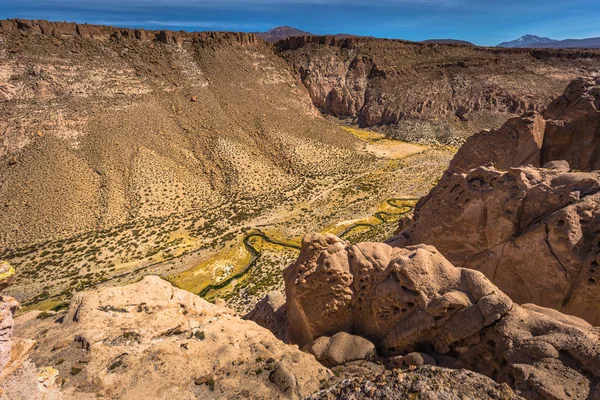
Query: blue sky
point(485, 22)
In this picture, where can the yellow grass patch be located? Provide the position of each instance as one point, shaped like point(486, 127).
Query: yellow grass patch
point(214, 269)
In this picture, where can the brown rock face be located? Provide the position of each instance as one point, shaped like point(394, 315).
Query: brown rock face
point(391, 296)
point(271, 313)
point(531, 231)
point(383, 82)
point(568, 130)
point(517, 142)
point(573, 127)
point(69, 29)
point(413, 299)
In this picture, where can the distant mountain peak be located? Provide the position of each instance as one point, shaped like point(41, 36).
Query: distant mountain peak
point(281, 32)
point(527, 41)
point(283, 29)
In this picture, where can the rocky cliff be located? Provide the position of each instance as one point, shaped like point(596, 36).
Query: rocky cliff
point(389, 82)
point(63, 30)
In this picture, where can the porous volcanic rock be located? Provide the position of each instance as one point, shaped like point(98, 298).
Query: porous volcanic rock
point(413, 299)
point(531, 231)
point(151, 340)
point(392, 296)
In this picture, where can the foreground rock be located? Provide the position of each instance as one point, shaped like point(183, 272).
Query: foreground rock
point(412, 299)
point(340, 349)
point(19, 377)
point(531, 231)
point(151, 340)
point(423, 383)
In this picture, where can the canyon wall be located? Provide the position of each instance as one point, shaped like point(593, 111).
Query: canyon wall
point(378, 82)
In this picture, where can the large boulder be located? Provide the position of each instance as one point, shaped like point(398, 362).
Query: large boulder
point(341, 348)
point(151, 340)
point(518, 142)
point(532, 231)
point(573, 126)
point(413, 299)
point(567, 130)
point(388, 295)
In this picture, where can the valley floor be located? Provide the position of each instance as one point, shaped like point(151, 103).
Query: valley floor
point(236, 251)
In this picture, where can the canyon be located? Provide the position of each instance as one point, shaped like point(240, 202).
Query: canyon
point(158, 190)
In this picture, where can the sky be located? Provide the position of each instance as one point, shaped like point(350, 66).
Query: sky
point(485, 22)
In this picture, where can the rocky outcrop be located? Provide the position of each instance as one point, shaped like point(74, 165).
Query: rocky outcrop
point(271, 313)
point(531, 231)
point(383, 82)
point(396, 297)
point(518, 142)
point(412, 299)
point(19, 378)
point(567, 130)
point(151, 340)
point(62, 30)
point(573, 127)
point(423, 383)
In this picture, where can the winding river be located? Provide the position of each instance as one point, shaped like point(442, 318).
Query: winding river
point(405, 205)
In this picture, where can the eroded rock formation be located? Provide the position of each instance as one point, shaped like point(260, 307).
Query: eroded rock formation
point(567, 130)
point(531, 231)
point(410, 299)
point(383, 82)
point(151, 340)
point(270, 313)
point(19, 377)
point(573, 127)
